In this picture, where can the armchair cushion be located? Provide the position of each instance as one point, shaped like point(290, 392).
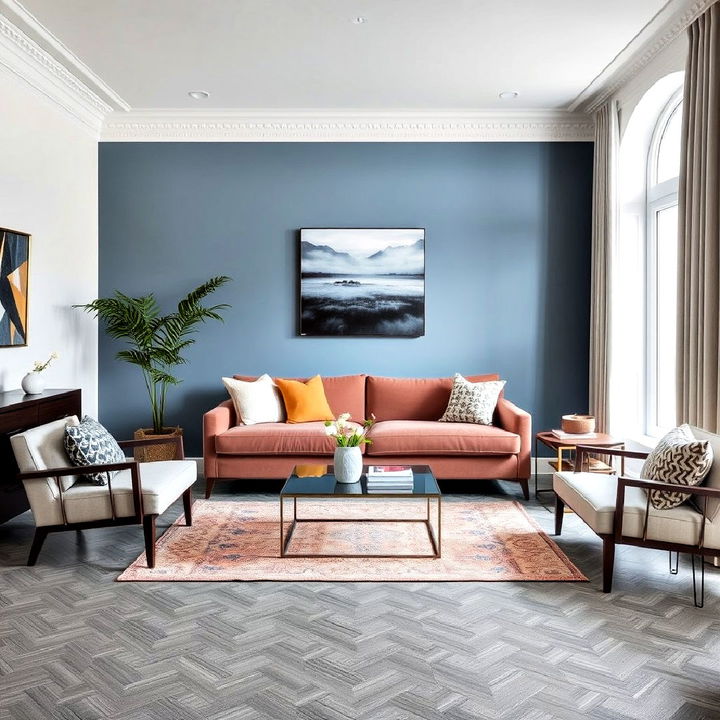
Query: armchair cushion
point(42, 447)
point(592, 496)
point(162, 483)
point(713, 477)
point(89, 443)
point(680, 459)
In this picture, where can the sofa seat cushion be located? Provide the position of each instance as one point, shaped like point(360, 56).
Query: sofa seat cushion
point(592, 496)
point(162, 483)
point(277, 439)
point(428, 437)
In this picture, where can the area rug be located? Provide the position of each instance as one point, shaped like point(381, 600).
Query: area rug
point(239, 540)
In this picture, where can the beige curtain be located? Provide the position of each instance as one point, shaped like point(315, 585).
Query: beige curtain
point(603, 234)
point(698, 371)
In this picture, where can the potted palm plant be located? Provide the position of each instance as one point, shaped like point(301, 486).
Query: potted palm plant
point(156, 343)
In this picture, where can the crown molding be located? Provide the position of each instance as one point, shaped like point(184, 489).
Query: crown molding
point(27, 23)
point(349, 126)
point(24, 58)
point(669, 23)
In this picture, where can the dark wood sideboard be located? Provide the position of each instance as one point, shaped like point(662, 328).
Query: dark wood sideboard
point(19, 412)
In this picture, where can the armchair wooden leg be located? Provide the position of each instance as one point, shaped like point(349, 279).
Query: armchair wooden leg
point(40, 534)
point(608, 563)
point(209, 484)
point(149, 529)
point(187, 505)
point(524, 485)
point(559, 514)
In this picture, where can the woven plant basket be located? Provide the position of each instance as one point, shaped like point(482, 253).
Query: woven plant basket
point(580, 424)
point(155, 453)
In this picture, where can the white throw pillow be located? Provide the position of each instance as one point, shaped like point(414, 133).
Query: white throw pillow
point(256, 402)
point(472, 402)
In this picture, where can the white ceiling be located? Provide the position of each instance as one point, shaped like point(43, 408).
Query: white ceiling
point(410, 54)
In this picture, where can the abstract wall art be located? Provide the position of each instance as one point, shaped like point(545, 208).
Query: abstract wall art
point(14, 273)
point(362, 282)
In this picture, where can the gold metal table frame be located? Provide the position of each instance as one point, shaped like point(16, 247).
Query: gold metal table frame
point(434, 537)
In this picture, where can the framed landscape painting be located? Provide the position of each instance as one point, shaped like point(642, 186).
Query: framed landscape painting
point(14, 273)
point(362, 282)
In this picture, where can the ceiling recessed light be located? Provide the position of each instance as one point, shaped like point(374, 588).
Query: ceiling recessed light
point(359, 20)
point(199, 94)
point(509, 94)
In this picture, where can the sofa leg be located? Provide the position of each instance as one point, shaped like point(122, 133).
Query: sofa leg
point(209, 485)
point(608, 563)
point(149, 530)
point(187, 505)
point(559, 514)
point(525, 488)
point(40, 534)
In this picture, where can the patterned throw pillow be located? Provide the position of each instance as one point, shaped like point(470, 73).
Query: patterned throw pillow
point(472, 402)
point(89, 443)
point(680, 459)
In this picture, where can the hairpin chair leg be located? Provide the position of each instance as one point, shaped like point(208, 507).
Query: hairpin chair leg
point(673, 565)
point(149, 530)
point(699, 600)
point(40, 534)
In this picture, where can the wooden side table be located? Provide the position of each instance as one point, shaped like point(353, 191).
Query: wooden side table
point(568, 463)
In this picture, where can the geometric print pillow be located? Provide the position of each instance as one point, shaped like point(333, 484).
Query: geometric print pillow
point(472, 402)
point(680, 459)
point(89, 443)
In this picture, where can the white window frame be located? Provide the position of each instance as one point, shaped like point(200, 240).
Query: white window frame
point(658, 196)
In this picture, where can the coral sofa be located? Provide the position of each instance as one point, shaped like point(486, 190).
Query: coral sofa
point(406, 431)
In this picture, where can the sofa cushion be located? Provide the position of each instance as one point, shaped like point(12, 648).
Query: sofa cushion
point(411, 398)
point(276, 439)
point(592, 496)
point(344, 393)
point(426, 437)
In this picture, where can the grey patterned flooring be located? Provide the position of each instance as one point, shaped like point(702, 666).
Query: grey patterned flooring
point(76, 645)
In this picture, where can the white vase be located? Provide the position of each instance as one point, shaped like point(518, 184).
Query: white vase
point(348, 464)
point(33, 383)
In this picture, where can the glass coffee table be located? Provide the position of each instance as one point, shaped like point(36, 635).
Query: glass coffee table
point(304, 485)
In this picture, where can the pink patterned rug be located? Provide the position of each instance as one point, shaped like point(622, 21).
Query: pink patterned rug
point(238, 540)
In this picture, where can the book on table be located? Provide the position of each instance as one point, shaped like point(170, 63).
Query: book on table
point(378, 472)
point(573, 437)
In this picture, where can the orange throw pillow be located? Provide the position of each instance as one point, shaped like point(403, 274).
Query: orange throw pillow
point(305, 402)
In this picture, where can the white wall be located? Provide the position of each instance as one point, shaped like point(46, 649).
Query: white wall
point(48, 188)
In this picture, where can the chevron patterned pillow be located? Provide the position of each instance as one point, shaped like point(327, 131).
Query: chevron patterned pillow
point(680, 459)
point(472, 402)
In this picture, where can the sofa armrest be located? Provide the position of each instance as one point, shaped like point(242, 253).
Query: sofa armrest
point(216, 421)
point(515, 420)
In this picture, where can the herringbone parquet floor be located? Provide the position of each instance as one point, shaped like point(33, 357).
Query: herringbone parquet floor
point(76, 645)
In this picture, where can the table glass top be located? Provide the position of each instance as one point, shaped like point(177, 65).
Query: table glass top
point(320, 480)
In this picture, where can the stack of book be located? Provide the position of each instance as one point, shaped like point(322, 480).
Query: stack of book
point(389, 479)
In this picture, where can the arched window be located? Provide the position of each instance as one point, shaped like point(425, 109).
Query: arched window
point(663, 169)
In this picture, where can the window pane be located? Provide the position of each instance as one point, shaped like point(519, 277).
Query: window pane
point(668, 157)
point(666, 320)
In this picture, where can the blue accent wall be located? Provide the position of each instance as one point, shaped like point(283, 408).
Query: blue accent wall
point(507, 261)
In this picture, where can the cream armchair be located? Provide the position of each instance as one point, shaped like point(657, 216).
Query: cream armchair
point(618, 510)
point(61, 500)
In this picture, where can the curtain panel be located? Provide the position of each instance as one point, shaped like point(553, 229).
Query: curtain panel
point(604, 221)
point(698, 322)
